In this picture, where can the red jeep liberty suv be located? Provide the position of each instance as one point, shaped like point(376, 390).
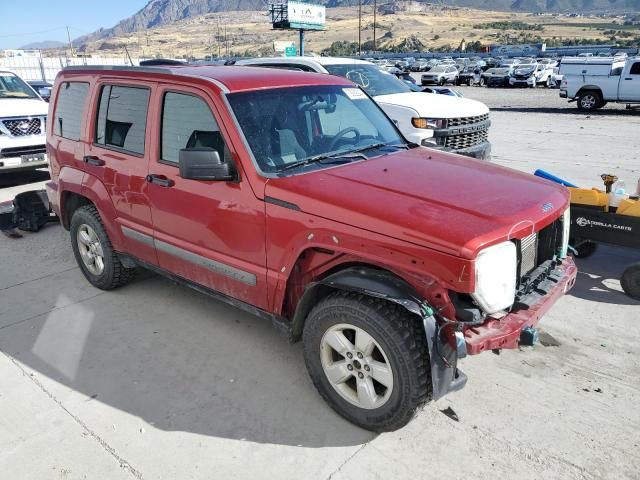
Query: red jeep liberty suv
point(293, 196)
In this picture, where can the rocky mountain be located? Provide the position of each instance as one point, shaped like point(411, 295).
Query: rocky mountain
point(43, 45)
point(163, 12)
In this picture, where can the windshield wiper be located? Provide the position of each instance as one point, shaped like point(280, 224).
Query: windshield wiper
point(345, 157)
point(340, 157)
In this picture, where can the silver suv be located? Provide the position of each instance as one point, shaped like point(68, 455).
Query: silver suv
point(440, 74)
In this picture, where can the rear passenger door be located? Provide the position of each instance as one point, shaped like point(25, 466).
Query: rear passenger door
point(209, 232)
point(64, 140)
point(118, 157)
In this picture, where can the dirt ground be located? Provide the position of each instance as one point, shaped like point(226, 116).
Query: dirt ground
point(155, 381)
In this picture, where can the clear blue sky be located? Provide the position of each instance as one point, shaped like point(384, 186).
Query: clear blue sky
point(27, 21)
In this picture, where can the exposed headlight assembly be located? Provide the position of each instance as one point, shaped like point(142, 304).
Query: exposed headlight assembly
point(433, 123)
point(496, 271)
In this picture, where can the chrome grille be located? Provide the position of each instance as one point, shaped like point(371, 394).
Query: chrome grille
point(456, 122)
point(466, 140)
point(528, 253)
point(21, 127)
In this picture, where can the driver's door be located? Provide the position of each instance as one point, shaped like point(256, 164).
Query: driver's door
point(209, 232)
point(629, 89)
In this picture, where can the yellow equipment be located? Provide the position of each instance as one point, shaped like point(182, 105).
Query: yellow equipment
point(593, 197)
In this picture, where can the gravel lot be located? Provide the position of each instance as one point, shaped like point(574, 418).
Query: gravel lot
point(155, 381)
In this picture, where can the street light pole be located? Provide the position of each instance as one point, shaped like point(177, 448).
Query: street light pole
point(375, 7)
point(359, 27)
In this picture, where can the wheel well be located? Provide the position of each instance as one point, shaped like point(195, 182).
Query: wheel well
point(366, 279)
point(70, 203)
point(590, 88)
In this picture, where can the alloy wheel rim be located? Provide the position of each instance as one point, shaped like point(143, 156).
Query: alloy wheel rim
point(356, 366)
point(90, 249)
point(588, 101)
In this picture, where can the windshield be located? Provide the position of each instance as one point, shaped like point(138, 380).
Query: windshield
point(287, 126)
point(438, 69)
point(373, 80)
point(12, 86)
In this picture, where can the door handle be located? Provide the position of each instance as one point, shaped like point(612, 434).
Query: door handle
point(93, 160)
point(160, 180)
point(628, 78)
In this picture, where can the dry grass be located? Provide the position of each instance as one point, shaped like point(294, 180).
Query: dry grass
point(252, 31)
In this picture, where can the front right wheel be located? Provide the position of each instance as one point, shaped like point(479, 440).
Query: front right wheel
point(368, 359)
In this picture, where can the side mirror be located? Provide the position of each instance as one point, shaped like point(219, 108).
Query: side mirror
point(204, 164)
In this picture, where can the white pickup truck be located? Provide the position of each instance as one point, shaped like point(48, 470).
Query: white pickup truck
point(454, 124)
point(594, 81)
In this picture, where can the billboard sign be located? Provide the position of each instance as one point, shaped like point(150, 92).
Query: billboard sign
point(306, 15)
point(524, 49)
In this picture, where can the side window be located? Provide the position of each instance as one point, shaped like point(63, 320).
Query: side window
point(67, 121)
point(122, 117)
point(635, 69)
point(187, 122)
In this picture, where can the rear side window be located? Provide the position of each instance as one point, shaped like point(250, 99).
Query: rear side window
point(187, 122)
point(122, 117)
point(635, 69)
point(67, 121)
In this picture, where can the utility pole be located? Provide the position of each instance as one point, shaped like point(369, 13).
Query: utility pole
point(359, 27)
point(70, 45)
point(375, 7)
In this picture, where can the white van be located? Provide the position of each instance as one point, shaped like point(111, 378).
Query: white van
point(454, 124)
point(23, 114)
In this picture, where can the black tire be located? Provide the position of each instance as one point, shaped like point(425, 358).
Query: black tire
point(402, 338)
point(442, 82)
point(630, 281)
point(481, 82)
point(585, 249)
point(114, 273)
point(548, 82)
point(589, 101)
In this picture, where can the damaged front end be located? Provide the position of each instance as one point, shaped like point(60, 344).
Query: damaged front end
point(446, 345)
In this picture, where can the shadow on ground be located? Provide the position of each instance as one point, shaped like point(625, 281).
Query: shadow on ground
point(605, 265)
point(13, 179)
point(171, 356)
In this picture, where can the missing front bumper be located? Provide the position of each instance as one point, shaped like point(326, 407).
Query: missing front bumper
point(505, 332)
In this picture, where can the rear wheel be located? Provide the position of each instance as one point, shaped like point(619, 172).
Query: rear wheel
point(630, 281)
point(442, 82)
point(589, 101)
point(93, 251)
point(368, 359)
point(548, 82)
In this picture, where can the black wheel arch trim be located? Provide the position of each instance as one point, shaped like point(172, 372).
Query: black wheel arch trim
point(445, 375)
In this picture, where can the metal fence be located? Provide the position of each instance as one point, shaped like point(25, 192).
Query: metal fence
point(46, 68)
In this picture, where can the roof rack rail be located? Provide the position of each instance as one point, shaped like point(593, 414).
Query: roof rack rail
point(117, 68)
